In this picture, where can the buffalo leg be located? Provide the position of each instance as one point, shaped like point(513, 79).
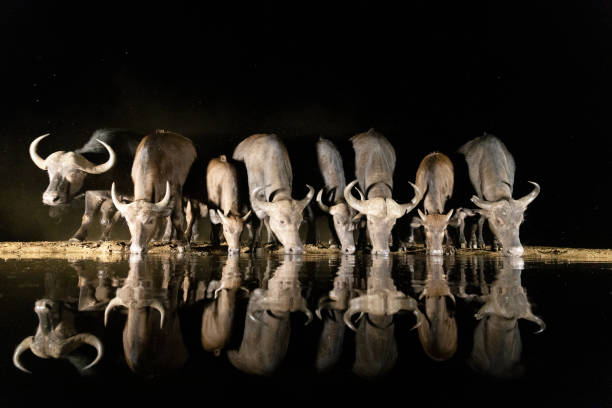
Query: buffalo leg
point(93, 201)
point(450, 245)
point(109, 226)
point(178, 222)
point(481, 243)
point(462, 242)
point(256, 238)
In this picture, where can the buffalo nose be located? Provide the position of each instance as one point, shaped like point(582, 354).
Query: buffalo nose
point(233, 250)
point(135, 249)
point(516, 251)
point(349, 249)
point(51, 198)
point(294, 250)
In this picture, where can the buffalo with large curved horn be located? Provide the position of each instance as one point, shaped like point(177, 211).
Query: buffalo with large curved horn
point(491, 168)
point(73, 172)
point(270, 179)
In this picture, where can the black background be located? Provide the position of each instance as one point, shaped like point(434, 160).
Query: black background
point(430, 75)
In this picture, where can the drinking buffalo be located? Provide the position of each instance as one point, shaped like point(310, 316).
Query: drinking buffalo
point(491, 168)
point(270, 179)
point(435, 178)
point(224, 202)
point(73, 172)
point(374, 166)
point(332, 170)
point(160, 168)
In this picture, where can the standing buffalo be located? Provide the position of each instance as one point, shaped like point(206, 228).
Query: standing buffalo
point(332, 170)
point(491, 169)
point(224, 202)
point(73, 172)
point(374, 166)
point(270, 183)
point(435, 178)
point(160, 168)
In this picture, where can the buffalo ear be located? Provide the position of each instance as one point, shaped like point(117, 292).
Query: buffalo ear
point(214, 217)
point(416, 222)
point(357, 217)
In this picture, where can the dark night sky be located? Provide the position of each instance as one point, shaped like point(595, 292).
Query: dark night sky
point(430, 76)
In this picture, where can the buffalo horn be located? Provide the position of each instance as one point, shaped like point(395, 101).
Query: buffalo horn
point(264, 205)
point(38, 161)
point(163, 204)
point(115, 302)
point(23, 346)
point(320, 201)
point(120, 206)
point(359, 205)
point(91, 168)
point(525, 201)
point(304, 201)
point(93, 341)
point(157, 305)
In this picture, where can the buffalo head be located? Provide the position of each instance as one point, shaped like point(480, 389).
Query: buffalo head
point(67, 172)
point(381, 215)
point(232, 227)
point(142, 218)
point(344, 224)
point(505, 217)
point(285, 217)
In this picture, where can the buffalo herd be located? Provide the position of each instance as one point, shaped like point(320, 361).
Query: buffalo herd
point(161, 203)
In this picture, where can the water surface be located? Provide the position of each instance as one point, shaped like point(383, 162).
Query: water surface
point(239, 329)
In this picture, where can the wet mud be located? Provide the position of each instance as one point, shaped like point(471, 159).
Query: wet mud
point(118, 250)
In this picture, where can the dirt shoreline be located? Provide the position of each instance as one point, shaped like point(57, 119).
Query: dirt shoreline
point(118, 250)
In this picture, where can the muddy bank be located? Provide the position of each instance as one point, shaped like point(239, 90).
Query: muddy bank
point(118, 250)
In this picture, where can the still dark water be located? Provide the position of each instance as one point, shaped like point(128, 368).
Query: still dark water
point(233, 331)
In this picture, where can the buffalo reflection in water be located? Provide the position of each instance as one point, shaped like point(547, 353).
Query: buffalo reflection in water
point(331, 310)
point(375, 345)
point(497, 339)
point(152, 339)
point(218, 315)
point(56, 335)
point(267, 326)
point(438, 331)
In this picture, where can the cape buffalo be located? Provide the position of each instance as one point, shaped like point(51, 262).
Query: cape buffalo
point(160, 168)
point(374, 166)
point(435, 178)
point(491, 168)
point(224, 202)
point(73, 172)
point(332, 170)
point(270, 179)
